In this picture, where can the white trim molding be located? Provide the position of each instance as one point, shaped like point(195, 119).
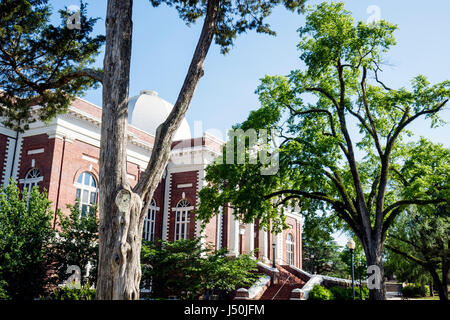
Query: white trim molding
point(184, 185)
point(89, 158)
point(35, 151)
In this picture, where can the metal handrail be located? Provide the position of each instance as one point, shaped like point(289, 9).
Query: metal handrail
point(281, 287)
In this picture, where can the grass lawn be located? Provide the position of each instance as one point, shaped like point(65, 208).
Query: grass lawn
point(427, 298)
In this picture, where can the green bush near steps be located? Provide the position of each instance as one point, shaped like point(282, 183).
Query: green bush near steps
point(73, 292)
point(337, 293)
point(340, 293)
point(319, 292)
point(413, 290)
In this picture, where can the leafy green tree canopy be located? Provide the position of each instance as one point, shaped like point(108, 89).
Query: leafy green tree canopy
point(360, 177)
point(421, 236)
point(43, 64)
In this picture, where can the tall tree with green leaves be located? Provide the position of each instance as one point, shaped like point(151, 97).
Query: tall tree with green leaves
point(41, 63)
point(359, 176)
point(320, 251)
point(423, 238)
point(122, 208)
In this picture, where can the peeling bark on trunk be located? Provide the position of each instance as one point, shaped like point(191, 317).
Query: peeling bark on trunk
point(118, 236)
point(122, 210)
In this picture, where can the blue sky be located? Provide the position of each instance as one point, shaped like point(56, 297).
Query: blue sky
point(163, 46)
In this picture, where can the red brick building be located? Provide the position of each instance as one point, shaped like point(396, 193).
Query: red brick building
point(62, 157)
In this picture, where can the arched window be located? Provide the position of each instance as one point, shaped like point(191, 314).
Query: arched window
point(182, 220)
point(32, 179)
point(290, 249)
point(149, 222)
point(86, 192)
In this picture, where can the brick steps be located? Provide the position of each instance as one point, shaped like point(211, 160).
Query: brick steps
point(287, 282)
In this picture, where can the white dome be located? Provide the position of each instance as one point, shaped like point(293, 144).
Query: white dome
point(147, 111)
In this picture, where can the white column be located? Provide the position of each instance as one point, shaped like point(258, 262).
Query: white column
point(8, 165)
point(166, 209)
point(234, 236)
point(250, 237)
point(198, 224)
point(279, 242)
point(16, 164)
point(219, 226)
point(263, 243)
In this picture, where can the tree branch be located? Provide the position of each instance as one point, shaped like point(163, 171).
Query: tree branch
point(410, 257)
point(165, 132)
point(369, 116)
point(403, 203)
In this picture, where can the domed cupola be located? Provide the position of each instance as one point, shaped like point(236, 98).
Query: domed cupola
point(147, 111)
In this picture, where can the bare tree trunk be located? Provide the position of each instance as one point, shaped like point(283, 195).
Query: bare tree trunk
point(119, 237)
point(422, 287)
point(122, 210)
point(444, 285)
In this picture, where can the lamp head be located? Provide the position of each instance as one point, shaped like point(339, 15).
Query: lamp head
point(351, 244)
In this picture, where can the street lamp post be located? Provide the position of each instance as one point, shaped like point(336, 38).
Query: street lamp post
point(360, 282)
point(351, 246)
point(312, 263)
point(273, 261)
point(273, 255)
point(241, 239)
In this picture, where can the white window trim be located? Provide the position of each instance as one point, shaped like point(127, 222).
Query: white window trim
point(185, 185)
point(151, 222)
point(35, 151)
point(29, 183)
point(88, 188)
point(290, 249)
point(182, 212)
point(33, 180)
point(88, 158)
point(185, 208)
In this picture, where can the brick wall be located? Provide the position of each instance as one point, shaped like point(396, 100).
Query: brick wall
point(295, 231)
point(42, 161)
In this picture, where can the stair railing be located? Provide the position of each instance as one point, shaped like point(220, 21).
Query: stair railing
point(284, 282)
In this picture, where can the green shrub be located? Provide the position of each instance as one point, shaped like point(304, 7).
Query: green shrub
point(77, 243)
point(412, 290)
point(73, 292)
point(187, 270)
point(341, 293)
point(26, 235)
point(320, 293)
point(3, 293)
